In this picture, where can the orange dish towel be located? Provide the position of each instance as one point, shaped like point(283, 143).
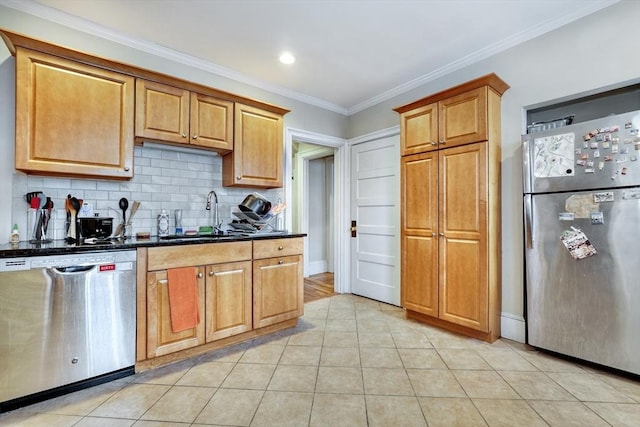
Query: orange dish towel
point(183, 298)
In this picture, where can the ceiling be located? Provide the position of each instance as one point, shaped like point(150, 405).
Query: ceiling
point(350, 54)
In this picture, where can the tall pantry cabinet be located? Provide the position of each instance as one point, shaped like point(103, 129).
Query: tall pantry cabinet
point(450, 178)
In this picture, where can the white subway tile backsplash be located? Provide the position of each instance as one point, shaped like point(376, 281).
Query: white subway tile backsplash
point(162, 179)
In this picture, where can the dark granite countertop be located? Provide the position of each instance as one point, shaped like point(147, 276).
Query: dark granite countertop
point(60, 247)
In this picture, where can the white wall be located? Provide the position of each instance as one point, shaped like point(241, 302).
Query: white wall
point(598, 51)
point(318, 219)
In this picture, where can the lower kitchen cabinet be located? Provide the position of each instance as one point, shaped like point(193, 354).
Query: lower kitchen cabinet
point(228, 300)
point(278, 283)
point(160, 338)
point(242, 287)
point(277, 294)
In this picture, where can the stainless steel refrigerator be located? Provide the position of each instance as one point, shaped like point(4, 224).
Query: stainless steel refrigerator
point(582, 240)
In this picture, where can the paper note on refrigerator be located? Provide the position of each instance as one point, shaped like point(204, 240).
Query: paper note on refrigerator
point(577, 244)
point(554, 156)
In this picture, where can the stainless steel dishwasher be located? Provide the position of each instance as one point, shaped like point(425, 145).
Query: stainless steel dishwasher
point(66, 322)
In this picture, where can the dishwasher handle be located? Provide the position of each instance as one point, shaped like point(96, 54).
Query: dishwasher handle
point(75, 269)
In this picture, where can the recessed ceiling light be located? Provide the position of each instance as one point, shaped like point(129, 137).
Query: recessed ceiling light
point(287, 58)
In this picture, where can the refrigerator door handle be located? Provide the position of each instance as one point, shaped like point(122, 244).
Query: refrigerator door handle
point(528, 221)
point(526, 158)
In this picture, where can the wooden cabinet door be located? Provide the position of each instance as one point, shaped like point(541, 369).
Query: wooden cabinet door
point(257, 157)
point(419, 182)
point(462, 119)
point(277, 290)
point(419, 130)
point(162, 112)
point(160, 338)
point(463, 281)
point(72, 118)
point(228, 300)
point(211, 122)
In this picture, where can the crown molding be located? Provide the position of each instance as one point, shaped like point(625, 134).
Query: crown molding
point(509, 42)
point(44, 12)
point(32, 8)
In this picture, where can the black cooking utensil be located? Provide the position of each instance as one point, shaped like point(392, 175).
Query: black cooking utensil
point(124, 204)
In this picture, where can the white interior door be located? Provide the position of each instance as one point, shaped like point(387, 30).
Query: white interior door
point(375, 208)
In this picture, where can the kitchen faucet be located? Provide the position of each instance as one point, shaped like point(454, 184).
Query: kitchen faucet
point(216, 219)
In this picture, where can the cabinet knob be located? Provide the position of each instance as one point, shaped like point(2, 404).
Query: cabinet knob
point(126, 168)
point(442, 142)
point(280, 248)
point(200, 275)
point(195, 136)
point(433, 143)
point(433, 234)
point(281, 262)
point(184, 135)
point(238, 178)
point(442, 234)
point(211, 274)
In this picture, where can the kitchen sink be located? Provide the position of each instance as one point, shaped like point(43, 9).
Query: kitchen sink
point(196, 238)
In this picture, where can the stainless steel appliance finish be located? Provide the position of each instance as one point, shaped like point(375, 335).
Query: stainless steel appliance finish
point(583, 181)
point(65, 319)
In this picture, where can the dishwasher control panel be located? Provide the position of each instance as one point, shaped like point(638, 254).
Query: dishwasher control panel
point(51, 261)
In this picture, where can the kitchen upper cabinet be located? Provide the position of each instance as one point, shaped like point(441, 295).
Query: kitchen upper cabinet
point(160, 337)
point(450, 192)
point(171, 114)
point(419, 129)
point(258, 155)
point(228, 300)
point(278, 283)
point(454, 117)
point(72, 119)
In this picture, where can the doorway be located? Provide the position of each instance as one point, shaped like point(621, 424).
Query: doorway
point(325, 154)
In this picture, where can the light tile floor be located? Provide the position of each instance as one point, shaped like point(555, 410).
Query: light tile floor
point(354, 362)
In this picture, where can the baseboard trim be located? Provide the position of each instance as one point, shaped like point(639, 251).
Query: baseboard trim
point(317, 267)
point(513, 327)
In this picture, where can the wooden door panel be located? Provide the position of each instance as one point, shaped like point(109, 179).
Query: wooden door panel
point(419, 131)
point(463, 191)
point(463, 248)
point(162, 112)
point(420, 194)
point(211, 122)
point(60, 127)
point(463, 118)
point(228, 300)
point(420, 274)
point(160, 337)
point(277, 290)
point(463, 284)
point(257, 157)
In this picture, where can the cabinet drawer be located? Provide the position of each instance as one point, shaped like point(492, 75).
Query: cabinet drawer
point(277, 247)
point(184, 256)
